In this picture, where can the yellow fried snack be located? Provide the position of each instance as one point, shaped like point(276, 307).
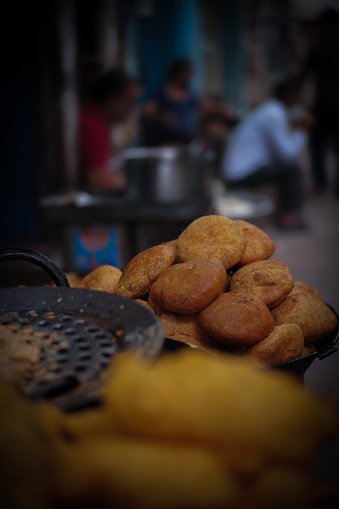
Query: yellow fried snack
point(196, 398)
point(270, 280)
point(104, 278)
point(284, 344)
point(315, 319)
point(24, 455)
point(141, 272)
point(212, 237)
point(259, 245)
point(131, 473)
point(236, 319)
point(189, 287)
point(300, 287)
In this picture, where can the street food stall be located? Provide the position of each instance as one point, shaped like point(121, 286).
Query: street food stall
point(103, 407)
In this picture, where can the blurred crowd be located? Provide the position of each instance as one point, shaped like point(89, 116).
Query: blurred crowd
point(113, 119)
point(260, 147)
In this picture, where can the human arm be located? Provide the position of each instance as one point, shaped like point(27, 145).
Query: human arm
point(285, 142)
point(103, 181)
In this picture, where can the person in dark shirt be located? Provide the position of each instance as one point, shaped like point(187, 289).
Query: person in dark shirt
point(322, 65)
point(171, 117)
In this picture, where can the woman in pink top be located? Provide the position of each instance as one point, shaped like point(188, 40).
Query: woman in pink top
point(112, 98)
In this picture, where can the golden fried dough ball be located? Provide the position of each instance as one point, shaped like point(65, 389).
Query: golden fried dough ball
point(270, 280)
point(259, 245)
point(236, 319)
point(104, 278)
point(183, 328)
point(192, 397)
point(212, 237)
point(300, 287)
point(132, 473)
point(189, 287)
point(284, 344)
point(315, 319)
point(141, 272)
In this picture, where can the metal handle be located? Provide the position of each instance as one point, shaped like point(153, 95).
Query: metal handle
point(38, 259)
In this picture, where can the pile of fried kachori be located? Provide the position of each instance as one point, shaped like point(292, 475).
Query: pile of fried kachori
point(217, 288)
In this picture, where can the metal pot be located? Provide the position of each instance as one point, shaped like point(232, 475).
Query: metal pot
point(167, 175)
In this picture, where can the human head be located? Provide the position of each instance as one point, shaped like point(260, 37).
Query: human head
point(288, 90)
point(115, 93)
point(181, 71)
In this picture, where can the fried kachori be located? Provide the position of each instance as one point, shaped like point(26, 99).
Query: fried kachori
point(284, 344)
point(316, 320)
point(212, 237)
point(141, 272)
point(259, 246)
point(270, 280)
point(236, 319)
point(189, 287)
point(104, 278)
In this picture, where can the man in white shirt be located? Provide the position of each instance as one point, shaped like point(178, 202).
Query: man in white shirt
point(264, 148)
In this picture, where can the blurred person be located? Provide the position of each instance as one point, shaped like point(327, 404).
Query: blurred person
point(322, 65)
point(170, 118)
point(218, 118)
point(264, 149)
point(215, 104)
point(111, 103)
point(125, 134)
point(211, 137)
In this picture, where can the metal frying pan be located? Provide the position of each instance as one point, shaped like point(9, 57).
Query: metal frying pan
point(78, 332)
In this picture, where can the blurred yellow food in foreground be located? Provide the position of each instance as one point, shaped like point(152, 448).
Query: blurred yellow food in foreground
point(24, 455)
point(220, 402)
point(136, 474)
point(190, 431)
